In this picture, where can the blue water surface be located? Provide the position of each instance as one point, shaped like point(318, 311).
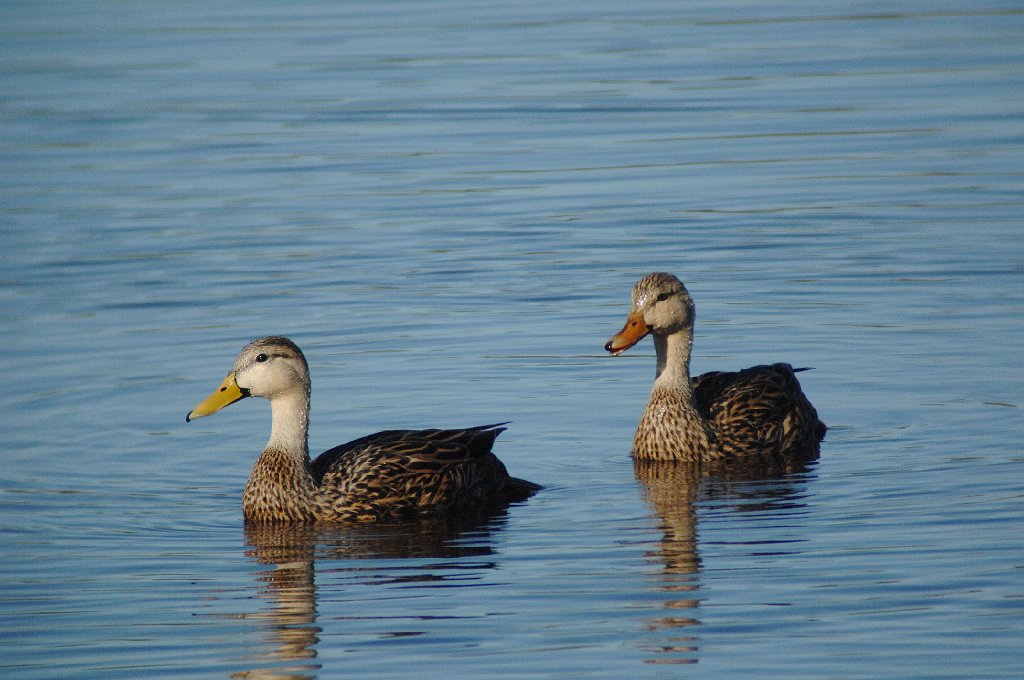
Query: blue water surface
point(446, 204)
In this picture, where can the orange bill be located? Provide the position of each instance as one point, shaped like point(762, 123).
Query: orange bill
point(633, 332)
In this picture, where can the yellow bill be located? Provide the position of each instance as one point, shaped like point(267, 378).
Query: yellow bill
point(228, 393)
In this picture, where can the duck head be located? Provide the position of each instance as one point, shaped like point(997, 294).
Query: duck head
point(661, 306)
point(269, 367)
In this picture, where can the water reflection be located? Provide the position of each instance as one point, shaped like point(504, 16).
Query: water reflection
point(673, 488)
point(292, 551)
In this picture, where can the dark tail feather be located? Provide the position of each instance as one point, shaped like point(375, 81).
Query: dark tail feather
point(519, 489)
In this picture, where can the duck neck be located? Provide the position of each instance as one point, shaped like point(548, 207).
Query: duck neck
point(673, 427)
point(673, 368)
point(289, 431)
point(281, 484)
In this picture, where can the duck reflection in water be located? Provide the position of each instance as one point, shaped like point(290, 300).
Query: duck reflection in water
point(673, 489)
point(291, 552)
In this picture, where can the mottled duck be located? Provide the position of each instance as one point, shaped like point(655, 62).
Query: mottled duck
point(723, 415)
point(399, 474)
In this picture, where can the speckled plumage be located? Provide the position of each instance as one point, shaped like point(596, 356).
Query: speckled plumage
point(758, 411)
point(388, 475)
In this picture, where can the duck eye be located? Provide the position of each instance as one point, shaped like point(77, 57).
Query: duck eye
point(662, 297)
point(260, 358)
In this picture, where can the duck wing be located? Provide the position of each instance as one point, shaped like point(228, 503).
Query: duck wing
point(399, 472)
point(762, 407)
point(424, 449)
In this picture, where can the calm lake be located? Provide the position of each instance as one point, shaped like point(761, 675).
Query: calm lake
point(446, 205)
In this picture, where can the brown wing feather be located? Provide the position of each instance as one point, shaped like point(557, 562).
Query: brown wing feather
point(412, 472)
point(759, 408)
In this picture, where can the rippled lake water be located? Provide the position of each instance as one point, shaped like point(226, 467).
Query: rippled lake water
point(446, 204)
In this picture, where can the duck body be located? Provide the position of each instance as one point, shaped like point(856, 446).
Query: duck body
point(394, 474)
point(732, 414)
point(723, 415)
